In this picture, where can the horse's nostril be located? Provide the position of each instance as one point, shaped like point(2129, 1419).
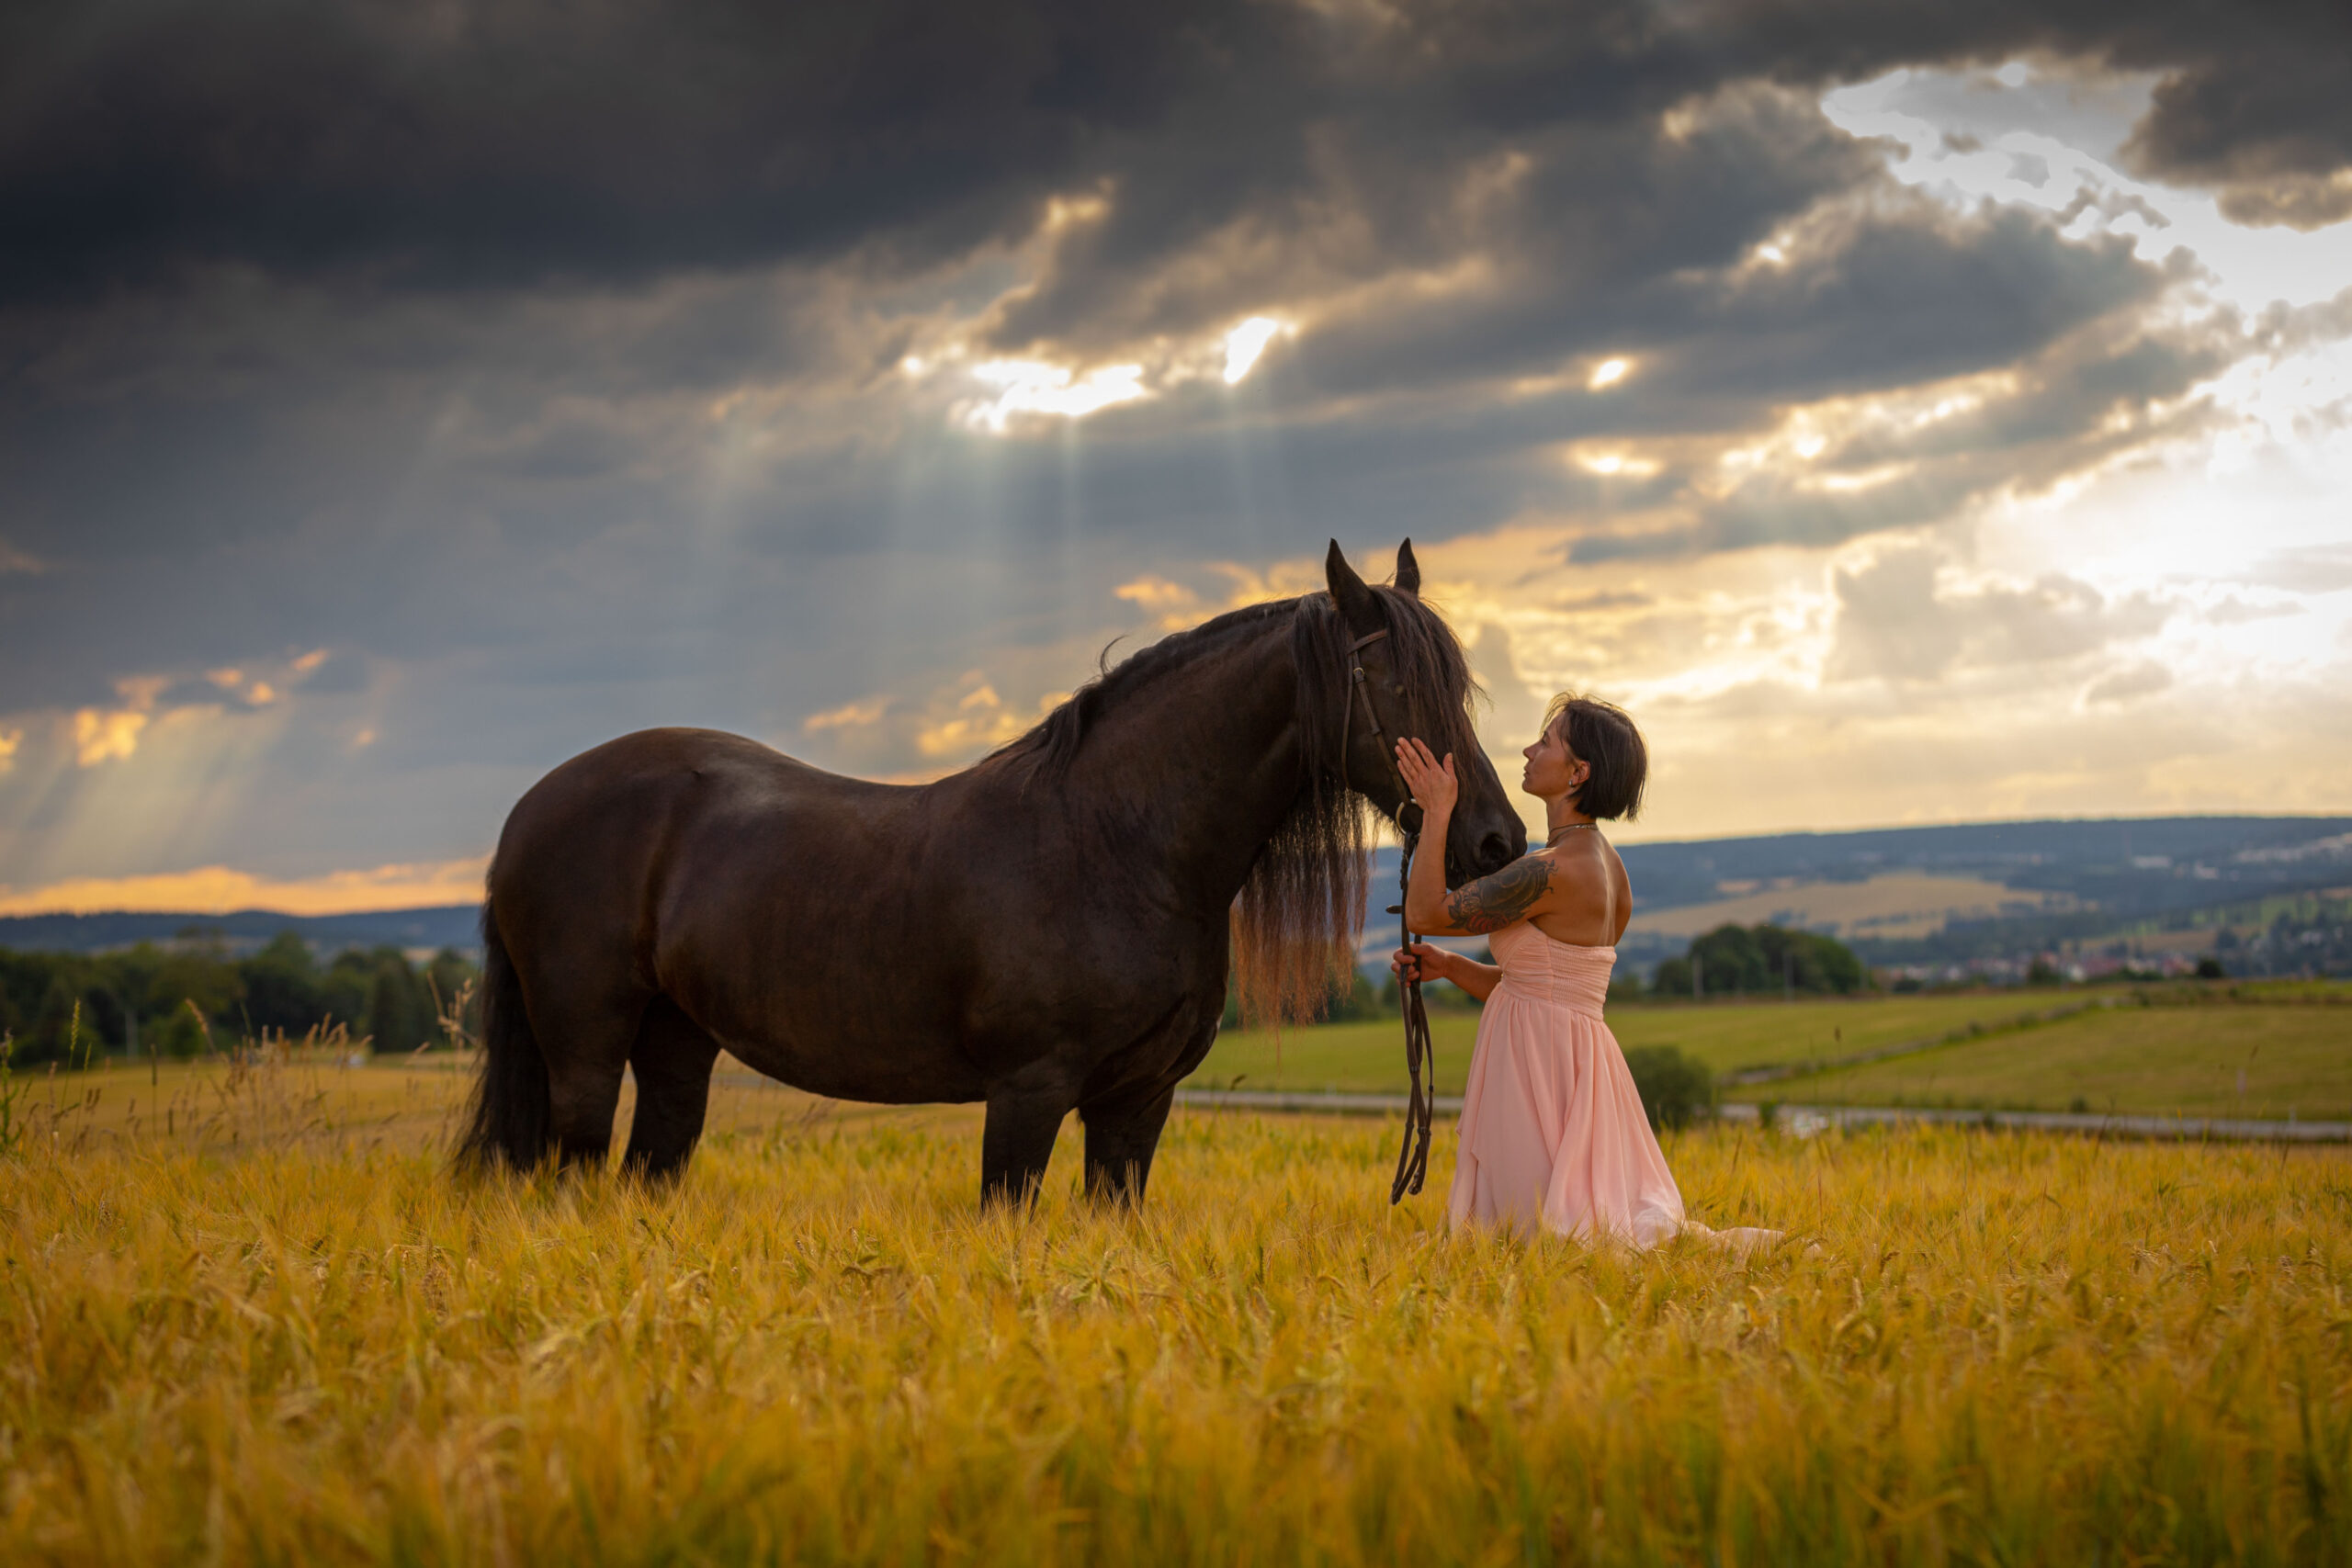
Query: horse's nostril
point(1493, 852)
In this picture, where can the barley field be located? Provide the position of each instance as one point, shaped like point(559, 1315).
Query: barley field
point(263, 1327)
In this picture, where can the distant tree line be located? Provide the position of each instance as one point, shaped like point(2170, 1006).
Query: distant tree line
point(1761, 960)
point(157, 993)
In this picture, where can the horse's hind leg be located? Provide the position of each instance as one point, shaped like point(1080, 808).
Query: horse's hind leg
point(1121, 1138)
point(586, 1041)
point(672, 1062)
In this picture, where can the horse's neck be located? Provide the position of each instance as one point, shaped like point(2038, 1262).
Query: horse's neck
point(1206, 760)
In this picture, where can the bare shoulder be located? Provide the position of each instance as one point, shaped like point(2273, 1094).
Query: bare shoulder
point(1585, 864)
point(1620, 888)
point(1617, 873)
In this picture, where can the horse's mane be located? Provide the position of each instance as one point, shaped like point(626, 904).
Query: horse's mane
point(1300, 915)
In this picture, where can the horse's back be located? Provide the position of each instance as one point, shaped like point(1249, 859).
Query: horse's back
point(718, 872)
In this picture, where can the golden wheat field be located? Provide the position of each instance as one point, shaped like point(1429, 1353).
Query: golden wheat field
point(270, 1331)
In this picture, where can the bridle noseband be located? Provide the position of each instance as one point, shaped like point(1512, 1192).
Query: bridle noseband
point(1413, 1159)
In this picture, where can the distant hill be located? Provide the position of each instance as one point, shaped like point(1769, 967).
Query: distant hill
point(1911, 893)
point(1924, 887)
point(2138, 866)
point(448, 925)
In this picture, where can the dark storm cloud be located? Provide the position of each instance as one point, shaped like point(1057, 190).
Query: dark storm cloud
point(466, 144)
point(2252, 99)
point(469, 144)
point(542, 360)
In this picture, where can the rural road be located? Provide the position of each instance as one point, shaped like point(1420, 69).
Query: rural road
point(1806, 1120)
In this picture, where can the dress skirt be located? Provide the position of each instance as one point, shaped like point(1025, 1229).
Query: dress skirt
point(1553, 1133)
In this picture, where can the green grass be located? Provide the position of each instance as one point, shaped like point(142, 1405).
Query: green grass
point(2159, 1059)
point(1726, 1036)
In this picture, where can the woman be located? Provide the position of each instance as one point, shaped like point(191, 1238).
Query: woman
point(1554, 1136)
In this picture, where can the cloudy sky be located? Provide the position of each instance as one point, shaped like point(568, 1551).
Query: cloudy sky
point(1915, 414)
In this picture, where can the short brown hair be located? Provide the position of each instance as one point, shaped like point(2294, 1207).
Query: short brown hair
point(1603, 734)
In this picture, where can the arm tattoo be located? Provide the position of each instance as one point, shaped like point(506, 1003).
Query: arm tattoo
point(1493, 902)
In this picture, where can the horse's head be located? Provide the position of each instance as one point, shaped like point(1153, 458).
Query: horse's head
point(1415, 682)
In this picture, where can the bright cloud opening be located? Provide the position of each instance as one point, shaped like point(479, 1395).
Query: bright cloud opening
point(1245, 343)
point(1608, 373)
point(1034, 388)
point(1618, 465)
point(1964, 149)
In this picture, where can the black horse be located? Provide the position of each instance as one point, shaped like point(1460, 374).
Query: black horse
point(1048, 929)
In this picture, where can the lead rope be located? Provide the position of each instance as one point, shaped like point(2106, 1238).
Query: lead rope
point(1413, 1158)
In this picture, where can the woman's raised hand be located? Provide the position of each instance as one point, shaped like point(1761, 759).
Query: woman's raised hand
point(1434, 787)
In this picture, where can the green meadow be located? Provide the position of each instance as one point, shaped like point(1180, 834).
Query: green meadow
point(2153, 1048)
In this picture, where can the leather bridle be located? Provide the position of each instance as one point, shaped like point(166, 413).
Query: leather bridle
point(1358, 688)
point(1413, 1159)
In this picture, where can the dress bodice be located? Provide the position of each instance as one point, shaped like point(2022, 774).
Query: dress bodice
point(1540, 969)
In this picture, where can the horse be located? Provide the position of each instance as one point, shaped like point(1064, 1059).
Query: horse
point(1049, 929)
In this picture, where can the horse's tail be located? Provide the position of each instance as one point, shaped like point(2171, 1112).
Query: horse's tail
point(507, 1122)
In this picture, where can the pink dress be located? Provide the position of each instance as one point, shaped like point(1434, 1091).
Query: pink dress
point(1554, 1136)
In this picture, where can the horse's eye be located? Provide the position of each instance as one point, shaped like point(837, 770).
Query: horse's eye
point(1398, 690)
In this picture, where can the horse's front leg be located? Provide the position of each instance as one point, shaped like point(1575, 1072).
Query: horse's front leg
point(1121, 1137)
point(1025, 1115)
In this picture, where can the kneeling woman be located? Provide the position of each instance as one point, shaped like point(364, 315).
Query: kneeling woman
point(1554, 1136)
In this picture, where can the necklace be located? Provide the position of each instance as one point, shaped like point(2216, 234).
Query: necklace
point(1570, 829)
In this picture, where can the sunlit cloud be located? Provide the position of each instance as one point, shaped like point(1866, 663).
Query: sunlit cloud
point(9, 740)
point(1034, 388)
point(100, 736)
point(1245, 343)
point(220, 889)
point(1613, 463)
point(849, 716)
point(972, 717)
point(1608, 373)
point(1171, 605)
point(1962, 144)
point(2122, 685)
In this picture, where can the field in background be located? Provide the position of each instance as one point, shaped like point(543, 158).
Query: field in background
point(2003, 1050)
point(284, 1337)
point(2272, 1060)
point(1897, 904)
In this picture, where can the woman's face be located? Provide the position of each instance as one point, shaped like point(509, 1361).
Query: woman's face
point(1552, 768)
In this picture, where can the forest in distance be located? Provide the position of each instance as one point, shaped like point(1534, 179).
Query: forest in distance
point(173, 1000)
point(170, 997)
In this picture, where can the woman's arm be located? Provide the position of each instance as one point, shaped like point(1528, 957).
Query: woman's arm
point(1426, 961)
point(1473, 908)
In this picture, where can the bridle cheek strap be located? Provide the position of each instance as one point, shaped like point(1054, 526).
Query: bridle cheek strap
point(1413, 1158)
point(1359, 692)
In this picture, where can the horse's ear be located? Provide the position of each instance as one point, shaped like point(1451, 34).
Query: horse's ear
point(1409, 570)
point(1348, 591)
